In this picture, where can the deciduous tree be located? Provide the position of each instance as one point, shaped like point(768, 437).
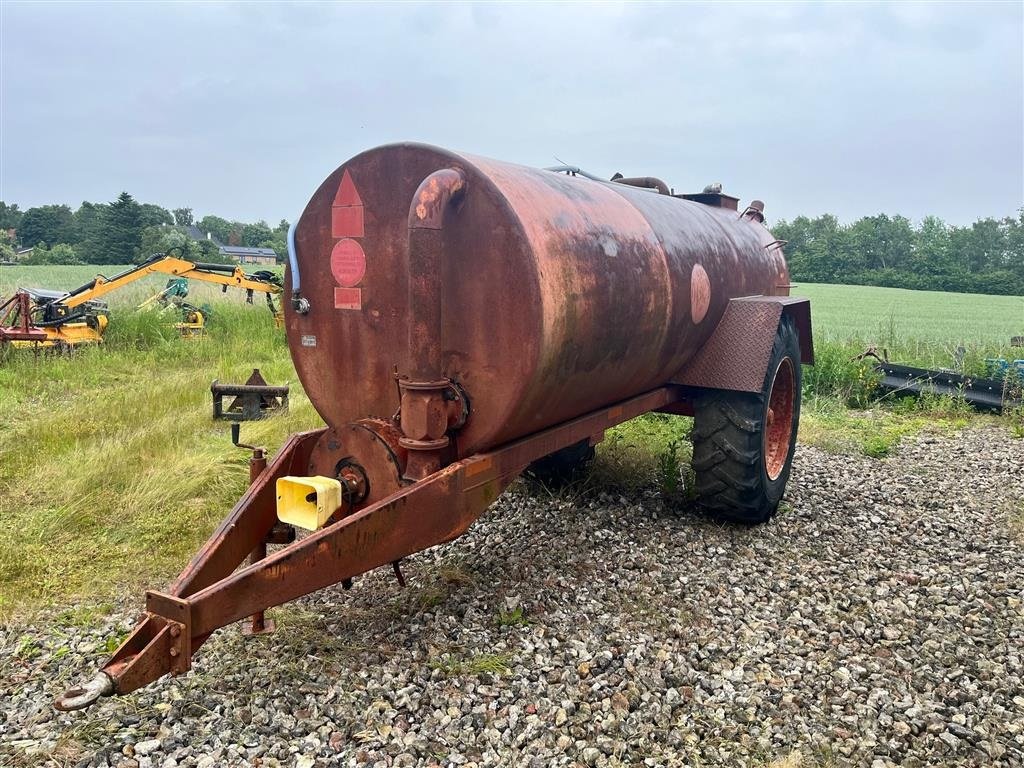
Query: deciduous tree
point(10, 215)
point(46, 224)
point(254, 234)
point(152, 215)
point(215, 225)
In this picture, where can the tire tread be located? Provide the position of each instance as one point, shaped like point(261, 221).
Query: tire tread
point(727, 446)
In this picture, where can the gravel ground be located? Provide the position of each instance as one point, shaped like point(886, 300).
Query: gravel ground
point(876, 621)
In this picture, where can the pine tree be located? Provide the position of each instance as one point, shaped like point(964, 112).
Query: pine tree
point(122, 231)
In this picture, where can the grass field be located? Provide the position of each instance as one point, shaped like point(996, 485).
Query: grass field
point(112, 472)
point(67, 277)
point(111, 468)
point(917, 323)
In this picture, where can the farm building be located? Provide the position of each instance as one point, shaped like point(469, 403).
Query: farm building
point(237, 253)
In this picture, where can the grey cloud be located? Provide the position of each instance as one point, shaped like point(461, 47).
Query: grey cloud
point(241, 109)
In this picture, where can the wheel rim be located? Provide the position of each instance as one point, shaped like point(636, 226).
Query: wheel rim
point(778, 428)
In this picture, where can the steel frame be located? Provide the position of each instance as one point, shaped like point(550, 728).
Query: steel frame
point(210, 593)
point(19, 307)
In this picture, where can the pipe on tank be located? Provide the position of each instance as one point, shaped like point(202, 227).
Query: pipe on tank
point(427, 212)
point(645, 182)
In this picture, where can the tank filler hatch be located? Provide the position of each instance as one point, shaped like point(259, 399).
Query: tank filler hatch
point(714, 199)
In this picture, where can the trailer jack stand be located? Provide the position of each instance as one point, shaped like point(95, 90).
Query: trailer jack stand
point(258, 624)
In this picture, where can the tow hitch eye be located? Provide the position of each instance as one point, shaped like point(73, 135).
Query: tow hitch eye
point(82, 696)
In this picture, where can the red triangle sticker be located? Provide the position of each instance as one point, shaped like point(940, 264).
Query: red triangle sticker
point(347, 194)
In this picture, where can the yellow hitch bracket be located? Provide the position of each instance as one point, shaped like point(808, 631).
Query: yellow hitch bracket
point(307, 501)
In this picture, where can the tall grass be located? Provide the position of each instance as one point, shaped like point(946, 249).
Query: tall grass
point(837, 373)
point(111, 467)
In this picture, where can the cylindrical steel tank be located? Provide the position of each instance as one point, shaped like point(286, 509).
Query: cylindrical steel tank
point(557, 294)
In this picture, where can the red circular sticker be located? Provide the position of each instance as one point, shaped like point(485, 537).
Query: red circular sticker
point(348, 262)
point(700, 293)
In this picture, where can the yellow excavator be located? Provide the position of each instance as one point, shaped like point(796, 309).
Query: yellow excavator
point(42, 318)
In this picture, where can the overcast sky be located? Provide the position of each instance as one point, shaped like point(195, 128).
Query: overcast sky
point(242, 109)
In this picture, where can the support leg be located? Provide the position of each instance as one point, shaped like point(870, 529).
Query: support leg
point(259, 624)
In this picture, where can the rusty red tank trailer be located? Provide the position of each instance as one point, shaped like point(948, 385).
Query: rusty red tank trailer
point(456, 321)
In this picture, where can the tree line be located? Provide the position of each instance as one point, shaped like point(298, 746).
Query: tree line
point(125, 231)
point(985, 257)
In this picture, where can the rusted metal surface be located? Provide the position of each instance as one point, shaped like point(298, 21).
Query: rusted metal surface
point(419, 516)
point(425, 416)
point(249, 522)
point(778, 432)
point(736, 356)
point(755, 212)
point(16, 320)
point(371, 446)
point(799, 310)
point(559, 293)
point(145, 655)
point(715, 199)
point(253, 400)
point(465, 318)
point(258, 622)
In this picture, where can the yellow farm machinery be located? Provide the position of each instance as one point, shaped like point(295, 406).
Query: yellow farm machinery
point(44, 318)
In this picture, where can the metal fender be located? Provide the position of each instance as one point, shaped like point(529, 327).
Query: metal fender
point(736, 355)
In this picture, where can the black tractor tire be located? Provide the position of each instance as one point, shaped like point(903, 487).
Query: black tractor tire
point(561, 467)
point(743, 443)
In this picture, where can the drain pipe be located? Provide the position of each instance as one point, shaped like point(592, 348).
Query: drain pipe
point(425, 413)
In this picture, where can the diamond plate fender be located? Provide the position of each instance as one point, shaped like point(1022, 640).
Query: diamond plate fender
point(736, 355)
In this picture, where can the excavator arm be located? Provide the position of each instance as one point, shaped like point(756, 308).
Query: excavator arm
point(227, 275)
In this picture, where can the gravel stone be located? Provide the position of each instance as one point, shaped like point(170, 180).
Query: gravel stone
point(147, 747)
point(876, 621)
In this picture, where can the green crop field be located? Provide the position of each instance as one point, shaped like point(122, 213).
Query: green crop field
point(112, 472)
point(898, 317)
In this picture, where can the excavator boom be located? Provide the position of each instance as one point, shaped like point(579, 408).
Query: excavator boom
point(222, 274)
